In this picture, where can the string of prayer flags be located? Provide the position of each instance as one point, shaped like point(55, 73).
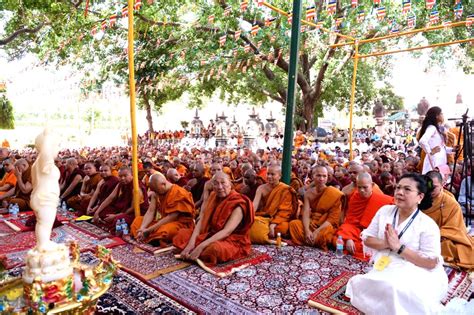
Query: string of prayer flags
point(360, 16)
point(247, 48)
point(227, 10)
point(458, 11)
point(125, 11)
point(255, 29)
point(103, 25)
point(310, 14)
point(406, 6)
point(411, 21)
point(237, 34)
point(112, 20)
point(331, 7)
point(470, 20)
point(138, 5)
point(354, 3)
point(430, 4)
point(394, 28)
point(222, 40)
point(243, 6)
point(381, 12)
point(210, 19)
point(434, 17)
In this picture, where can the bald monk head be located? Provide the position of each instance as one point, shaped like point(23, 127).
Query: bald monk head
point(159, 184)
point(354, 170)
point(198, 170)
point(245, 166)
point(22, 165)
point(172, 175)
point(320, 176)
point(215, 167)
point(437, 179)
point(71, 164)
point(364, 185)
point(250, 177)
point(105, 171)
point(273, 175)
point(221, 184)
point(125, 175)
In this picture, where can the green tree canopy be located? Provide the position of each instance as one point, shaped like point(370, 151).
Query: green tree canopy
point(202, 47)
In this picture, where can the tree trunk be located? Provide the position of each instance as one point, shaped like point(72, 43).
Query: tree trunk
point(308, 112)
point(149, 118)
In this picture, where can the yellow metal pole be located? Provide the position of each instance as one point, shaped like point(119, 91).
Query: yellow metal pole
point(131, 78)
point(351, 108)
point(390, 52)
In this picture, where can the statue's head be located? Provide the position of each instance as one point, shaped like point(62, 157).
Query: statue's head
point(47, 140)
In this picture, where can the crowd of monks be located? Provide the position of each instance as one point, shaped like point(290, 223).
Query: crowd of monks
point(213, 205)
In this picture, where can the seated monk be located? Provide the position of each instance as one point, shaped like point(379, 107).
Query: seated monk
point(171, 209)
point(250, 185)
point(362, 207)
point(8, 182)
point(457, 246)
point(149, 171)
point(23, 187)
point(222, 231)
point(215, 167)
point(276, 204)
point(71, 185)
point(105, 187)
point(173, 177)
point(354, 170)
point(91, 179)
point(321, 210)
point(119, 204)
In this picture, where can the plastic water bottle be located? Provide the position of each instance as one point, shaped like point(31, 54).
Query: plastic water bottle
point(16, 210)
point(124, 227)
point(118, 228)
point(339, 246)
point(10, 209)
point(63, 207)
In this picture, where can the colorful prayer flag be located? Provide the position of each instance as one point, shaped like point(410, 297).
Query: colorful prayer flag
point(254, 30)
point(434, 17)
point(203, 62)
point(290, 18)
point(447, 24)
point(103, 25)
point(269, 21)
point(469, 20)
point(381, 12)
point(338, 21)
point(259, 44)
point(319, 25)
point(360, 16)
point(237, 34)
point(411, 21)
point(406, 6)
point(244, 5)
point(377, 2)
point(210, 19)
point(112, 20)
point(331, 7)
point(247, 48)
point(227, 10)
point(354, 3)
point(430, 4)
point(310, 14)
point(222, 40)
point(138, 5)
point(93, 30)
point(458, 11)
point(125, 11)
point(272, 38)
point(259, 3)
point(235, 52)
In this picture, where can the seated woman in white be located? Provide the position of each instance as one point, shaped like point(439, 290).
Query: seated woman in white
point(408, 275)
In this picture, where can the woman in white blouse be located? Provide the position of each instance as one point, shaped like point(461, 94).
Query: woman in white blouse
point(408, 275)
point(432, 141)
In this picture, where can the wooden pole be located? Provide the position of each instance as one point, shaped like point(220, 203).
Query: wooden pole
point(353, 90)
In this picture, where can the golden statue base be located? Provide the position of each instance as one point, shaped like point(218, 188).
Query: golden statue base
point(75, 294)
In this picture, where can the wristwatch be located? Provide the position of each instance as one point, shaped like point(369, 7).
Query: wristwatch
point(400, 250)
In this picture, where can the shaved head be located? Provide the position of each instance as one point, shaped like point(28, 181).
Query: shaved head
point(221, 184)
point(364, 184)
point(172, 175)
point(159, 183)
point(354, 170)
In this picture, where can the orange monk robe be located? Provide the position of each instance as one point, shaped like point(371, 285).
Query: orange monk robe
point(295, 182)
point(8, 179)
point(359, 214)
point(182, 170)
point(279, 207)
point(262, 173)
point(5, 144)
point(177, 199)
point(457, 246)
point(325, 208)
point(228, 171)
point(299, 141)
point(215, 216)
